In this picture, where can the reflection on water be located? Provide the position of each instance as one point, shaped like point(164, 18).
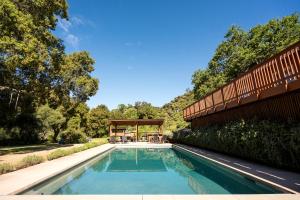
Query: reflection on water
point(136, 160)
point(150, 171)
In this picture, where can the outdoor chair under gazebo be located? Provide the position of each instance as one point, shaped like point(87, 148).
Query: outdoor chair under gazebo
point(115, 132)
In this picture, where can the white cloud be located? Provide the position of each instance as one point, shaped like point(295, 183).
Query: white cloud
point(77, 21)
point(72, 40)
point(64, 24)
point(67, 29)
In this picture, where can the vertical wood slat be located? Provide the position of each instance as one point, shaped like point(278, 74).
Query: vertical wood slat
point(279, 108)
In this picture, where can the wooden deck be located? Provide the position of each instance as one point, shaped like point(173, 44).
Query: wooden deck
point(276, 76)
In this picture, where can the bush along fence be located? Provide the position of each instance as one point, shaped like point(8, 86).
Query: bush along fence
point(272, 143)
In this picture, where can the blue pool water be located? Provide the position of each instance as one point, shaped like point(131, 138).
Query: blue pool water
point(151, 171)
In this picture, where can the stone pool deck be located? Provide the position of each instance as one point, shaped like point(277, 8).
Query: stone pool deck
point(15, 182)
point(20, 180)
point(153, 197)
point(289, 180)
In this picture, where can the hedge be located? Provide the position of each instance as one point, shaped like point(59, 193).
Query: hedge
point(273, 143)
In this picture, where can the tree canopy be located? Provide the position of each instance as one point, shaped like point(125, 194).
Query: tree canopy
point(243, 49)
point(36, 74)
point(44, 90)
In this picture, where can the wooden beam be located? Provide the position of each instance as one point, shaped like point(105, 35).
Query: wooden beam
point(110, 130)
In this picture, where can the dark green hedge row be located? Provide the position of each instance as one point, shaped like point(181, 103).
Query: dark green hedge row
point(272, 143)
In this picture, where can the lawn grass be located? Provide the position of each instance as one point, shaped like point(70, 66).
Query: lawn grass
point(4, 150)
point(22, 149)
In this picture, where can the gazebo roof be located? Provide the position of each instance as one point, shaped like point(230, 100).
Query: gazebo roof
point(132, 122)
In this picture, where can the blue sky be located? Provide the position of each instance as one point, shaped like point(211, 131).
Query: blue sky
point(147, 50)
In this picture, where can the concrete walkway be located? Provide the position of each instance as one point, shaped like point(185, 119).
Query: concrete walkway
point(281, 177)
point(17, 181)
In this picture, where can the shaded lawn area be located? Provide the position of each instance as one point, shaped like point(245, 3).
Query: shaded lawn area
point(22, 149)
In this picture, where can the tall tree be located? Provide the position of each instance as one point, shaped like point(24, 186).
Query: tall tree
point(98, 121)
point(34, 68)
point(52, 120)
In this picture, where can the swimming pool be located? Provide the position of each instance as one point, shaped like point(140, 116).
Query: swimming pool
point(150, 171)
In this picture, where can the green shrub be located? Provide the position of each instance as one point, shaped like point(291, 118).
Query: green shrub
point(64, 152)
point(78, 149)
point(6, 167)
point(90, 145)
point(273, 143)
point(29, 161)
point(72, 136)
point(35, 159)
point(50, 135)
point(57, 154)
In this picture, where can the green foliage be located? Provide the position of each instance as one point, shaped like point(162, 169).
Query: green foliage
point(205, 81)
point(97, 122)
point(41, 87)
point(74, 123)
point(140, 110)
point(64, 152)
point(4, 135)
point(131, 113)
point(172, 111)
point(272, 143)
point(58, 153)
point(6, 167)
point(24, 129)
point(36, 159)
point(29, 161)
point(76, 78)
point(241, 50)
point(52, 120)
point(71, 136)
point(146, 110)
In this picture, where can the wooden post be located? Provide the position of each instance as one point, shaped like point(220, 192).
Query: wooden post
point(236, 91)
point(110, 130)
point(137, 132)
point(222, 93)
point(160, 129)
point(160, 133)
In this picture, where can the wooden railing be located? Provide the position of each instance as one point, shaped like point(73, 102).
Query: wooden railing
point(277, 75)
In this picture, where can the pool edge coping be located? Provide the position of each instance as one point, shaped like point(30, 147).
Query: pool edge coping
point(58, 172)
point(292, 195)
point(257, 178)
point(107, 147)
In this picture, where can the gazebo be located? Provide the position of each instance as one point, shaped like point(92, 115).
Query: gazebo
point(114, 123)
